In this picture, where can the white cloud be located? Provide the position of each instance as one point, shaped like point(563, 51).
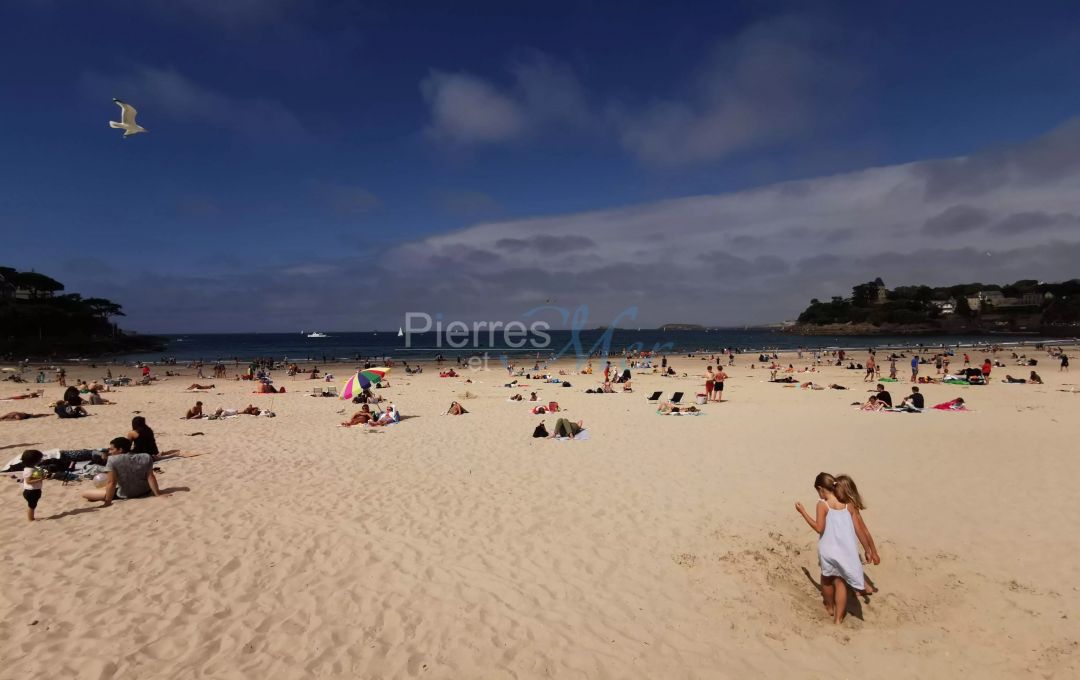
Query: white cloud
point(773, 82)
point(466, 109)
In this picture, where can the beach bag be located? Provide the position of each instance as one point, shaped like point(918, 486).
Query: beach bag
point(566, 384)
point(540, 431)
point(700, 399)
point(553, 406)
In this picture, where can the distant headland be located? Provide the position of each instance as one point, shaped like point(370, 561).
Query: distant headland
point(37, 322)
point(1026, 306)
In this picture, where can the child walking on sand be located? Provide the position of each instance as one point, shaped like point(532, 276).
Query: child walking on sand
point(841, 528)
point(32, 478)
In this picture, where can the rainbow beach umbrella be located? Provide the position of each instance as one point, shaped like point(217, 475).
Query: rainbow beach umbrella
point(363, 380)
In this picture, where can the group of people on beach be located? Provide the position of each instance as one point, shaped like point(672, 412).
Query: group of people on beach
point(129, 469)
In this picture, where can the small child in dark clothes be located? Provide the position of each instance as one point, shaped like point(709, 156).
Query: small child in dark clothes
point(32, 478)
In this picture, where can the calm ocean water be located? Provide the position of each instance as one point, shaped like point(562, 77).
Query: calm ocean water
point(348, 346)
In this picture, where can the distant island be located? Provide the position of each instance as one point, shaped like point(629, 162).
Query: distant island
point(1026, 306)
point(37, 322)
point(681, 327)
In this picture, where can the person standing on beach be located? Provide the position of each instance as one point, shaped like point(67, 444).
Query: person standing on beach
point(914, 368)
point(32, 479)
point(718, 384)
point(709, 382)
point(871, 369)
point(892, 367)
point(1064, 363)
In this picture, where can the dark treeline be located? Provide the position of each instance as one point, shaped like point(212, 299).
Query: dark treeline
point(38, 319)
point(1025, 304)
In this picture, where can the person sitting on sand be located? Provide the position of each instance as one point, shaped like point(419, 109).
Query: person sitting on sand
point(566, 428)
point(71, 396)
point(532, 396)
point(873, 404)
point(1035, 379)
point(265, 388)
point(129, 474)
point(142, 437)
point(388, 417)
point(456, 409)
point(197, 386)
point(19, 415)
point(914, 400)
point(194, 412)
point(361, 417)
point(96, 399)
point(883, 395)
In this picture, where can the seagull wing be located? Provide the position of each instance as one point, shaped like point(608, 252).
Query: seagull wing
point(127, 113)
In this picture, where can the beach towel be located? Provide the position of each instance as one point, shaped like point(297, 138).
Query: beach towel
point(579, 437)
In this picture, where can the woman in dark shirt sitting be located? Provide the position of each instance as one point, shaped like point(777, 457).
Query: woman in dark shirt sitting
point(142, 437)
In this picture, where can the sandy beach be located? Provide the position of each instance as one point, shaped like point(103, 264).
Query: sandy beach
point(460, 547)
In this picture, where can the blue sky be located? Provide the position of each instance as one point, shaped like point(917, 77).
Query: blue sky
point(335, 164)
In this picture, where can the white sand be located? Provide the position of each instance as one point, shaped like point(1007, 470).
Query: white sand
point(459, 547)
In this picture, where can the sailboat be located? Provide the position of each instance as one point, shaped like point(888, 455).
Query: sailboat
point(400, 332)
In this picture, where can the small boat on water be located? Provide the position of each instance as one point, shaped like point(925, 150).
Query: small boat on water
point(400, 332)
point(316, 334)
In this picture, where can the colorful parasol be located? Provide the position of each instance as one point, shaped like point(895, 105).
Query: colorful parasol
point(363, 380)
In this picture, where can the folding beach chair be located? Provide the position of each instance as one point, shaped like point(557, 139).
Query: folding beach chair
point(330, 391)
point(655, 396)
point(676, 398)
point(316, 391)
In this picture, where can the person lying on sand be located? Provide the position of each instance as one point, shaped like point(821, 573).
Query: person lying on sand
point(456, 409)
point(31, 395)
point(389, 416)
point(197, 386)
point(19, 415)
point(517, 397)
point(668, 407)
point(567, 428)
point(364, 415)
point(1014, 381)
point(195, 411)
point(63, 410)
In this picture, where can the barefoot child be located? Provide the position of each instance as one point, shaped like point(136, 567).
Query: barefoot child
point(838, 547)
point(32, 478)
point(848, 492)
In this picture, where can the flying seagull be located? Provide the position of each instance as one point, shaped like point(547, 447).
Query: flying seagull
point(127, 119)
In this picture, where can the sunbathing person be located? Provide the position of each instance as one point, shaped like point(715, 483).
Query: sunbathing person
point(567, 428)
point(364, 415)
point(195, 411)
point(1014, 381)
point(65, 410)
point(517, 397)
point(873, 404)
point(19, 415)
point(388, 417)
point(265, 388)
point(456, 409)
point(197, 386)
point(96, 399)
point(668, 407)
point(32, 395)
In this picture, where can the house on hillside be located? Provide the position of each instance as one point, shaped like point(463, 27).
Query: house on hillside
point(7, 289)
point(945, 307)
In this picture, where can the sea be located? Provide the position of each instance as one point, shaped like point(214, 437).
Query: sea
point(350, 346)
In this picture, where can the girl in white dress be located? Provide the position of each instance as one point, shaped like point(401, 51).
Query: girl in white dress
point(841, 529)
